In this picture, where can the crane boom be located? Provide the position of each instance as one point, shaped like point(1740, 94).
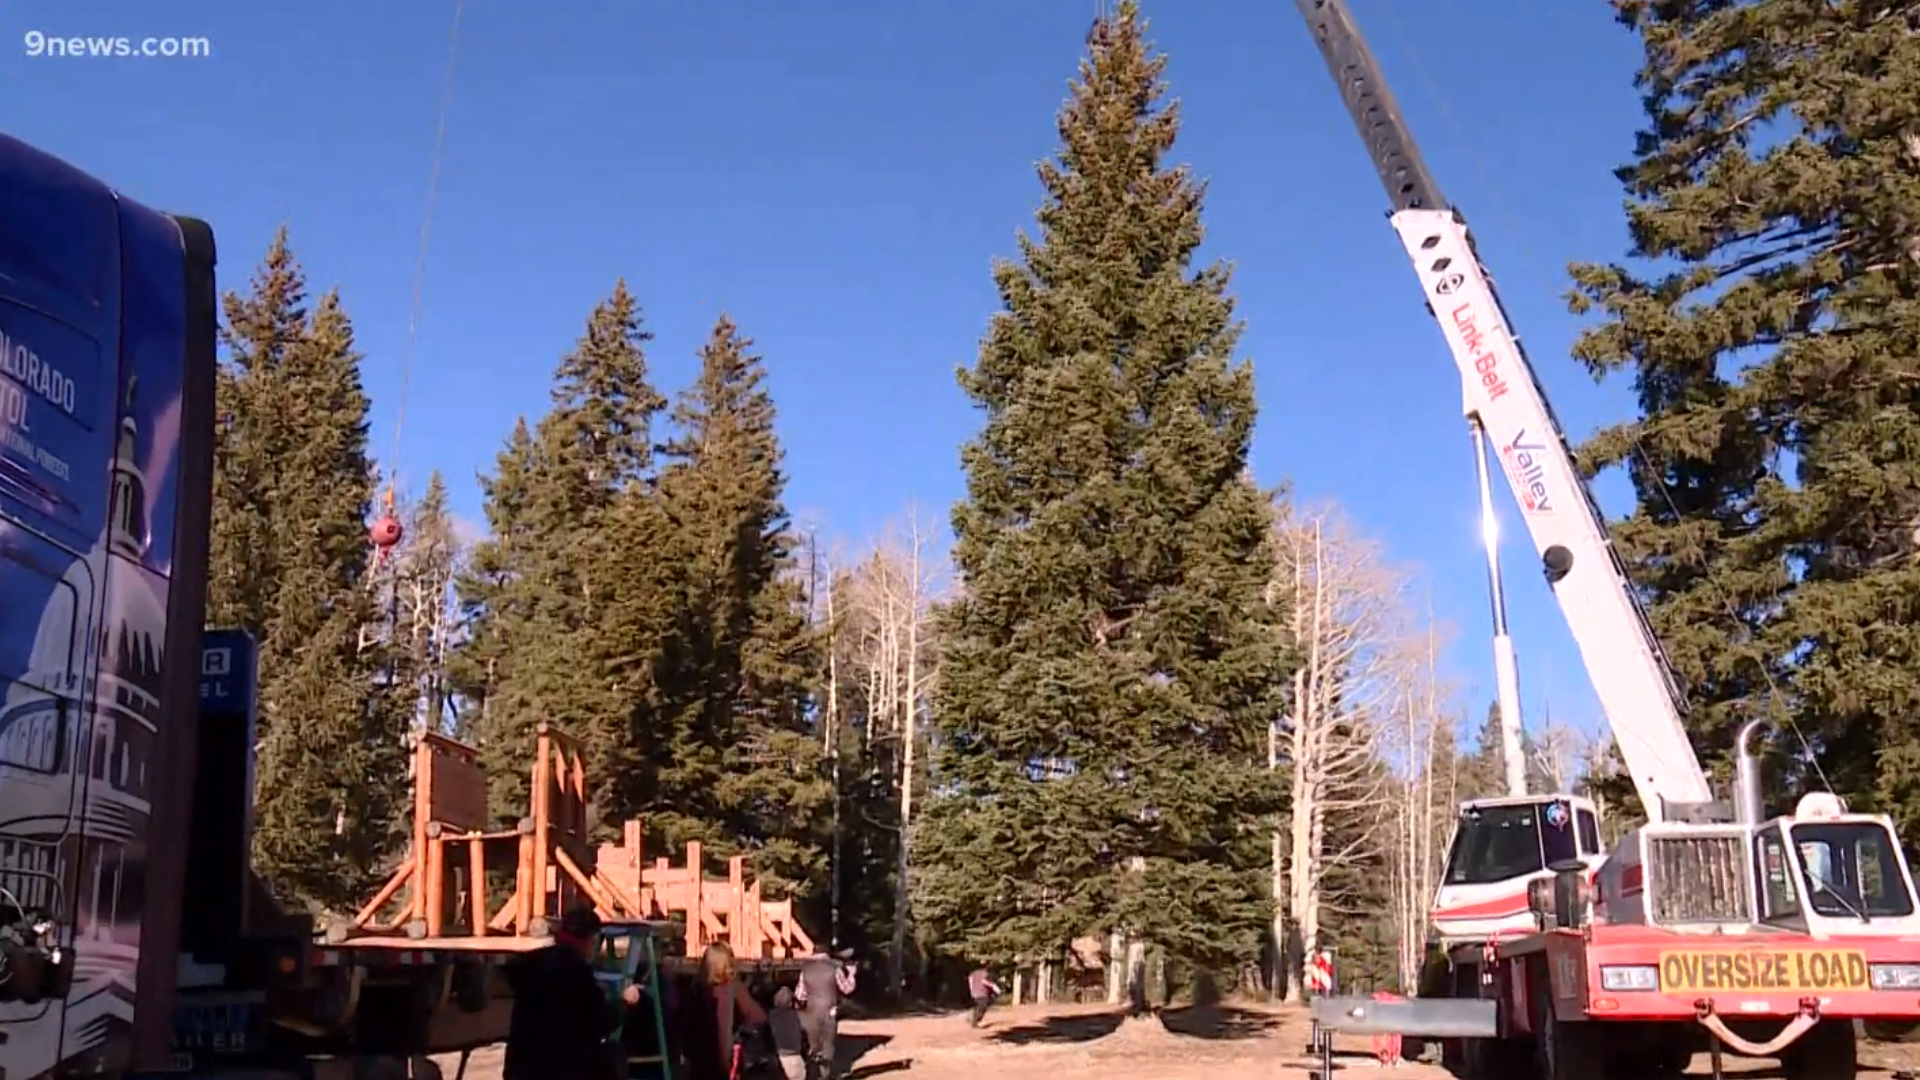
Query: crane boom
point(1624, 660)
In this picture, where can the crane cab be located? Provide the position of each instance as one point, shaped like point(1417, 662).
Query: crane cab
point(1828, 872)
point(1499, 847)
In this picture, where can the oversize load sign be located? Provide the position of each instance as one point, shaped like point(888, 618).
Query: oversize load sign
point(1786, 970)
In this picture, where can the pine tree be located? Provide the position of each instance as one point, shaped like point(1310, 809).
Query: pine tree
point(258, 331)
point(1111, 666)
point(1776, 461)
point(1483, 771)
point(551, 596)
point(486, 587)
point(749, 659)
point(291, 555)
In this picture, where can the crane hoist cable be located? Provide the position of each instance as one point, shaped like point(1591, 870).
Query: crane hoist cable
point(387, 530)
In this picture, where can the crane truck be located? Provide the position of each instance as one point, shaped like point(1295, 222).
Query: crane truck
point(1713, 926)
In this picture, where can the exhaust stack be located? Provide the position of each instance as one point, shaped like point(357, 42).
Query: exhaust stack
point(1748, 805)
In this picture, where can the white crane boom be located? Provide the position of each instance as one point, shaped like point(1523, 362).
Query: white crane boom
point(1624, 661)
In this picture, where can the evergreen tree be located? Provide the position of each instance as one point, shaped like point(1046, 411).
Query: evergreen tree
point(1483, 771)
point(291, 557)
point(486, 587)
point(1110, 668)
point(547, 592)
point(1359, 886)
point(1771, 333)
point(259, 329)
point(748, 761)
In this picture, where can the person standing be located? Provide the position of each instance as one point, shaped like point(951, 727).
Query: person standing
point(982, 988)
point(823, 982)
point(561, 1018)
point(719, 1008)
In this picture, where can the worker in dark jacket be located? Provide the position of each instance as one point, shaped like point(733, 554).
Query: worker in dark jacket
point(561, 1018)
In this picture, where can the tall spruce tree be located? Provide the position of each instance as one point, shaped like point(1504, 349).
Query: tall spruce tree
point(747, 759)
point(1776, 461)
point(487, 586)
point(290, 562)
point(505, 613)
point(1111, 667)
point(559, 563)
point(258, 330)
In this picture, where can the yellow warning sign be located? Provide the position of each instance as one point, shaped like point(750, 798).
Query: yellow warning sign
point(1786, 970)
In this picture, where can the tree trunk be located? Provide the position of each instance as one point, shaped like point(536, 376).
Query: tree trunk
point(1137, 976)
point(909, 727)
point(1276, 979)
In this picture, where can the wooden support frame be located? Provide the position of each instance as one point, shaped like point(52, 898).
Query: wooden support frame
point(440, 890)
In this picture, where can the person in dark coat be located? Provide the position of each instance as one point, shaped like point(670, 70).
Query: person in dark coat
point(561, 1017)
point(720, 1007)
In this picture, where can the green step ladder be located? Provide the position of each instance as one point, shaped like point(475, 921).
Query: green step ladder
point(628, 954)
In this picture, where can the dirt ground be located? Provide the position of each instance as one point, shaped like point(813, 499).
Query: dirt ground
point(1062, 1042)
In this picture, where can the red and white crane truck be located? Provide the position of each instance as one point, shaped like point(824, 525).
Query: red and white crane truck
point(1714, 927)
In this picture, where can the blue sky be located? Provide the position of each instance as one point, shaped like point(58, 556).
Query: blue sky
point(838, 177)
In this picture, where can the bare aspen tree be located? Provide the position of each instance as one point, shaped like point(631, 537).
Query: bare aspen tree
point(423, 609)
point(1349, 621)
point(820, 563)
point(890, 602)
point(1555, 750)
point(1422, 817)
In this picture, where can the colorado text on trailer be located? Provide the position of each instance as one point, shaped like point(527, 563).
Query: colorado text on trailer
point(106, 383)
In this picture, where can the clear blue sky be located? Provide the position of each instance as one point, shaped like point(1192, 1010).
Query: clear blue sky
point(838, 176)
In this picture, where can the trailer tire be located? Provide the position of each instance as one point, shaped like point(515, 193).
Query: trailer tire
point(1831, 1051)
point(472, 986)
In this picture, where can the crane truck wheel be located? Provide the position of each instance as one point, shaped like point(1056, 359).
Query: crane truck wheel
point(1891, 1031)
point(1563, 1050)
point(1828, 1052)
point(1493, 1059)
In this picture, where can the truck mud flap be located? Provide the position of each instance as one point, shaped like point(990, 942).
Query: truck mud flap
point(1440, 1018)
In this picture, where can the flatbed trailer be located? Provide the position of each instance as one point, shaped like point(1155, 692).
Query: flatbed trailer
point(385, 995)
